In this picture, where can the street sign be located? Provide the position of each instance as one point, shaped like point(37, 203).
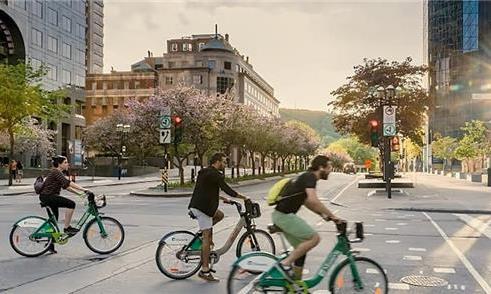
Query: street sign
point(389, 130)
point(165, 137)
point(389, 114)
point(164, 122)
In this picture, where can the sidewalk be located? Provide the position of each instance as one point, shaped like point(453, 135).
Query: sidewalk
point(86, 181)
point(430, 193)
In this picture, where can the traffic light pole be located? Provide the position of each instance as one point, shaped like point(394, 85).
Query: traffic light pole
point(387, 167)
point(165, 174)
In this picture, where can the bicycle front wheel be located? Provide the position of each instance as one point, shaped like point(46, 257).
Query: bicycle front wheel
point(372, 277)
point(171, 258)
point(24, 243)
point(247, 271)
point(256, 240)
point(102, 243)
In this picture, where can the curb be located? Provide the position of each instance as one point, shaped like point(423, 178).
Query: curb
point(161, 195)
point(442, 210)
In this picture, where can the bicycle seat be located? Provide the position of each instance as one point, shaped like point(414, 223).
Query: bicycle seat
point(274, 229)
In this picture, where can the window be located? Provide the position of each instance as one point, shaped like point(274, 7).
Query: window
point(198, 79)
point(237, 68)
point(168, 80)
point(80, 81)
point(52, 73)
point(66, 77)
point(200, 45)
point(52, 44)
point(224, 84)
point(37, 9)
point(66, 24)
point(37, 38)
point(137, 84)
point(227, 65)
point(174, 47)
point(80, 56)
point(67, 50)
point(172, 64)
point(199, 63)
point(52, 16)
point(211, 63)
point(80, 31)
point(78, 129)
point(187, 47)
point(36, 63)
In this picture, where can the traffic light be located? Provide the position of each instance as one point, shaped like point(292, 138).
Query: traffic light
point(178, 129)
point(395, 144)
point(374, 131)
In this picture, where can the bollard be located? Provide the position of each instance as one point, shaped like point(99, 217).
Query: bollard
point(489, 177)
point(233, 172)
point(192, 175)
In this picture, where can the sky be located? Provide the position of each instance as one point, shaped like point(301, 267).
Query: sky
point(304, 49)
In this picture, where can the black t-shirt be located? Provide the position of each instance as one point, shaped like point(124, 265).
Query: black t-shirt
point(54, 182)
point(296, 188)
point(205, 195)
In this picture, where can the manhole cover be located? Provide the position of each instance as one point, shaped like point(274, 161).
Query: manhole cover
point(424, 281)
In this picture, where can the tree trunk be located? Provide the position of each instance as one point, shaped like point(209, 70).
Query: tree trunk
point(11, 154)
point(253, 163)
point(239, 159)
point(283, 164)
point(444, 165)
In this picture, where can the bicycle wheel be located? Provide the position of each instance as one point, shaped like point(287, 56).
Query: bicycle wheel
point(246, 272)
point(104, 244)
point(172, 261)
point(21, 240)
point(258, 240)
point(373, 277)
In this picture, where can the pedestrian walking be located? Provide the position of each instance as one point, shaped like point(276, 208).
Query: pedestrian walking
point(13, 169)
point(20, 171)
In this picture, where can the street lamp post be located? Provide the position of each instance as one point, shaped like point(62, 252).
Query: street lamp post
point(123, 130)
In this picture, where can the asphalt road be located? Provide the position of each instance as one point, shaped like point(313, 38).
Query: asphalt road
point(450, 246)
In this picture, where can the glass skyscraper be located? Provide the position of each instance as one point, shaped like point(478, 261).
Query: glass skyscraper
point(458, 52)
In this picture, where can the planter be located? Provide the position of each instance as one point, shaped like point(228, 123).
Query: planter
point(474, 178)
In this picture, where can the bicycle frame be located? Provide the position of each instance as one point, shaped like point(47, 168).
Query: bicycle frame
point(273, 278)
point(45, 230)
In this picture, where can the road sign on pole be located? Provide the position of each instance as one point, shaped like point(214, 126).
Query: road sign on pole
point(389, 114)
point(165, 137)
point(389, 130)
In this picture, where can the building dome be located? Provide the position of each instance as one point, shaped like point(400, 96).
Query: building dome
point(216, 44)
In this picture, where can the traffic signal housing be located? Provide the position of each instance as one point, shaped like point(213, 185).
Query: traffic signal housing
point(178, 129)
point(374, 132)
point(395, 144)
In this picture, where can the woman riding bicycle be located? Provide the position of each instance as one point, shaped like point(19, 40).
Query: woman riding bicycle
point(50, 194)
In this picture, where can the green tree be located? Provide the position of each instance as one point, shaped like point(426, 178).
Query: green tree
point(445, 149)
point(355, 102)
point(474, 144)
point(358, 151)
point(22, 96)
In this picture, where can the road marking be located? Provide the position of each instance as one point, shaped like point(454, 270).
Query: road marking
point(391, 229)
point(412, 257)
point(380, 220)
point(344, 189)
point(417, 249)
point(444, 270)
point(401, 224)
point(368, 234)
point(368, 225)
point(398, 286)
point(392, 241)
point(482, 227)
point(465, 261)
point(321, 292)
point(361, 249)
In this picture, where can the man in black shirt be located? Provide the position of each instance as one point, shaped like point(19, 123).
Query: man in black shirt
point(298, 192)
point(204, 206)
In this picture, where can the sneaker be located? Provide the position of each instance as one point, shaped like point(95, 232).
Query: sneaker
point(207, 276)
point(51, 249)
point(70, 230)
point(287, 271)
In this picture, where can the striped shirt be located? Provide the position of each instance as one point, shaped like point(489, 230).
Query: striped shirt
point(54, 182)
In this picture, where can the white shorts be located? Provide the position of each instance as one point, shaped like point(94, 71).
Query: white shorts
point(205, 222)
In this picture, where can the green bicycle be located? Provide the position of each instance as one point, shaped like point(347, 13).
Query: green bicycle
point(31, 236)
point(257, 272)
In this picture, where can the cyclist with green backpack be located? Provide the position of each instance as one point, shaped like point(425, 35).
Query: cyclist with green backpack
point(289, 196)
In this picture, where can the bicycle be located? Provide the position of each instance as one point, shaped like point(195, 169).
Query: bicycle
point(257, 272)
point(178, 254)
point(31, 236)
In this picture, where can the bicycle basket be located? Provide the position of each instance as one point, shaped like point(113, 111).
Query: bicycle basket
point(253, 209)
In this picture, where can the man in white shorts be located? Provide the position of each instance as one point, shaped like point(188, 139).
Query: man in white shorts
point(204, 206)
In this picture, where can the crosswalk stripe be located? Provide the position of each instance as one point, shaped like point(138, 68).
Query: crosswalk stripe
point(482, 227)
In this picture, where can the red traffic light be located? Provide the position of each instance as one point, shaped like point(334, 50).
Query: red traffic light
point(177, 120)
point(374, 123)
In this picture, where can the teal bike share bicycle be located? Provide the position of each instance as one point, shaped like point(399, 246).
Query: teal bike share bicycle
point(31, 236)
point(257, 272)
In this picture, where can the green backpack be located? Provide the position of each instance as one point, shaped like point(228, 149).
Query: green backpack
point(274, 193)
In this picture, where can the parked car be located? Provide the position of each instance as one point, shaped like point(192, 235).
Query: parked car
point(349, 168)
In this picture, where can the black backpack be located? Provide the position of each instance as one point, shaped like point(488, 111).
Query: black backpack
point(39, 184)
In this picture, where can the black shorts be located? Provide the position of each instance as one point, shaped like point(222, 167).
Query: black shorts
point(55, 202)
